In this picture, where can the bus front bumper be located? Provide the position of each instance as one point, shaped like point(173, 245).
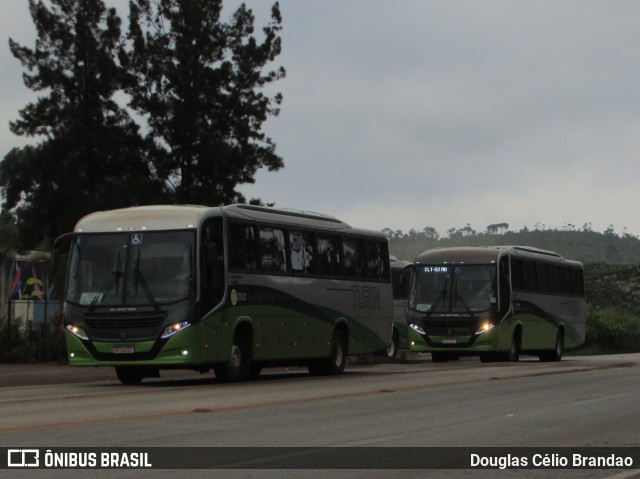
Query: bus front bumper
point(486, 341)
point(177, 351)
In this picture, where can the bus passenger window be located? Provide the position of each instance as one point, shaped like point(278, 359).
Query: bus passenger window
point(242, 245)
point(329, 255)
point(272, 247)
point(301, 252)
point(352, 257)
point(504, 280)
point(376, 264)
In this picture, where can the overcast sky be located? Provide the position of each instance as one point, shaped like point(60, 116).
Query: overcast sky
point(414, 113)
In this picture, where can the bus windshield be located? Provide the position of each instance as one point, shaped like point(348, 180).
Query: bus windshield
point(453, 289)
point(132, 269)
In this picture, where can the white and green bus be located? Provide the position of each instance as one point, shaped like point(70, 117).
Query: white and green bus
point(495, 302)
point(400, 279)
point(233, 289)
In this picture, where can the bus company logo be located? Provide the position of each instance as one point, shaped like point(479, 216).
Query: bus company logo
point(242, 297)
point(366, 297)
point(23, 458)
point(234, 297)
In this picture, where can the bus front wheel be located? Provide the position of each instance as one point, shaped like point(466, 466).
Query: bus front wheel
point(438, 357)
point(513, 353)
point(239, 366)
point(130, 375)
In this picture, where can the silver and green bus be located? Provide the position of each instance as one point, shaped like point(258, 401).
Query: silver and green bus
point(400, 279)
point(495, 302)
point(233, 289)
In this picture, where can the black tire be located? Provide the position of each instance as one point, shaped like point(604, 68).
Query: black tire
point(392, 350)
point(239, 366)
point(558, 350)
point(130, 375)
point(439, 357)
point(336, 362)
point(513, 354)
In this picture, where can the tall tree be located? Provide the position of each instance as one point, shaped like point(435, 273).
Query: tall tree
point(91, 154)
point(199, 83)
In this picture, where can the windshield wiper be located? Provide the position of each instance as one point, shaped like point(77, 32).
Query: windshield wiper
point(459, 296)
point(143, 282)
point(441, 297)
point(113, 280)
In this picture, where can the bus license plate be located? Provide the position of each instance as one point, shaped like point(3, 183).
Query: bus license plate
point(450, 341)
point(123, 350)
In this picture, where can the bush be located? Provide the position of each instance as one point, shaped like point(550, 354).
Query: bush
point(33, 342)
point(612, 331)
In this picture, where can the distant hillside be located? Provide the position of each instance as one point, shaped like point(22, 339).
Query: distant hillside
point(585, 246)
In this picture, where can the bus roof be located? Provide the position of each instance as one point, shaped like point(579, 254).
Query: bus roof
point(141, 218)
point(284, 216)
point(486, 254)
point(396, 263)
point(174, 217)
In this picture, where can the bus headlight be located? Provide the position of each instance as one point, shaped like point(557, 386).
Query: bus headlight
point(174, 328)
point(417, 328)
point(485, 326)
point(77, 331)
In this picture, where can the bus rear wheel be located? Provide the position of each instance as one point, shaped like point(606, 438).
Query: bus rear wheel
point(558, 350)
point(392, 351)
point(337, 360)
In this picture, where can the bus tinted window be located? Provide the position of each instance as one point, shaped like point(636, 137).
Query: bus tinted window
point(401, 281)
point(328, 255)
point(542, 270)
point(577, 282)
point(530, 276)
point(272, 250)
point(376, 263)
point(542, 277)
point(554, 278)
point(352, 249)
point(242, 246)
point(301, 252)
point(517, 274)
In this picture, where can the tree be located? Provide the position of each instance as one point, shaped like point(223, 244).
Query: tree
point(497, 228)
point(7, 235)
point(91, 156)
point(199, 84)
point(431, 233)
point(467, 230)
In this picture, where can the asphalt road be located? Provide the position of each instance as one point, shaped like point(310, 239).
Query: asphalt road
point(578, 402)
